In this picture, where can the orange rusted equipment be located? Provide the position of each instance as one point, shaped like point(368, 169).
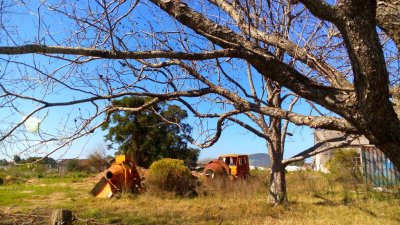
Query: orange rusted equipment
point(121, 176)
point(232, 165)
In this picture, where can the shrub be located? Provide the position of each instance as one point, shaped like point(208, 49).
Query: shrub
point(171, 175)
point(97, 161)
point(343, 168)
point(3, 162)
point(74, 165)
point(13, 180)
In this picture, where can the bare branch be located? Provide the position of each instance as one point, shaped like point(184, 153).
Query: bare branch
point(321, 147)
point(107, 54)
point(336, 78)
point(260, 59)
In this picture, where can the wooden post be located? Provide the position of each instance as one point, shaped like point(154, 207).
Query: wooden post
point(61, 217)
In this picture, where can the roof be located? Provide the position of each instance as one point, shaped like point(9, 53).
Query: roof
point(323, 135)
point(232, 155)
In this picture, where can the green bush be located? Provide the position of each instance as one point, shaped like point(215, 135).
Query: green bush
point(343, 168)
point(171, 175)
point(74, 165)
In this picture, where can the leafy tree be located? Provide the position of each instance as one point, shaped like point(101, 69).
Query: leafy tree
point(17, 158)
point(49, 161)
point(44, 161)
point(151, 134)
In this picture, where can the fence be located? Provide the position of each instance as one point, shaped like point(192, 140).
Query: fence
point(377, 168)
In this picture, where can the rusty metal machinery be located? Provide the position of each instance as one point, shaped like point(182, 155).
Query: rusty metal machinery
point(216, 168)
point(122, 176)
point(230, 165)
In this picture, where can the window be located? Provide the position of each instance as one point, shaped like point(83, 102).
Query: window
point(357, 159)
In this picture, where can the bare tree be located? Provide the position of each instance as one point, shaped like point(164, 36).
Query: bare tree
point(330, 55)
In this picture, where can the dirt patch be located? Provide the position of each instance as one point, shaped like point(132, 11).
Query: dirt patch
point(53, 197)
point(32, 181)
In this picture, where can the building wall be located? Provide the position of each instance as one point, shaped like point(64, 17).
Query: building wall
point(321, 160)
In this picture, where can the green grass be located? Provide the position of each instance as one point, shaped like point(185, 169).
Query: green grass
point(313, 200)
point(36, 190)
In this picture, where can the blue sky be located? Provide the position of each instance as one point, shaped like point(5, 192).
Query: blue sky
point(233, 140)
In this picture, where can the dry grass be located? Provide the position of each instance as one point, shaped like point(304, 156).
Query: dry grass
point(313, 200)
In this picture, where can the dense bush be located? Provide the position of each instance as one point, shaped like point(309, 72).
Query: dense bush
point(171, 175)
point(74, 165)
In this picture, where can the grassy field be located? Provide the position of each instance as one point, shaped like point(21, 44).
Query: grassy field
point(313, 200)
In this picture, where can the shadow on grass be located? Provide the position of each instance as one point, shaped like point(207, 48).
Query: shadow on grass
point(328, 202)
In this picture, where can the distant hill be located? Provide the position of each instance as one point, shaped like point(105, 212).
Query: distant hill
point(260, 160)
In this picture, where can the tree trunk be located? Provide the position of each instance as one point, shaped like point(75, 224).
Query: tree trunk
point(277, 185)
point(387, 16)
point(61, 217)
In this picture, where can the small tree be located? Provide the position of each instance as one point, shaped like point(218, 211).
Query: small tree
point(17, 158)
point(343, 167)
point(74, 165)
point(97, 160)
point(49, 161)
